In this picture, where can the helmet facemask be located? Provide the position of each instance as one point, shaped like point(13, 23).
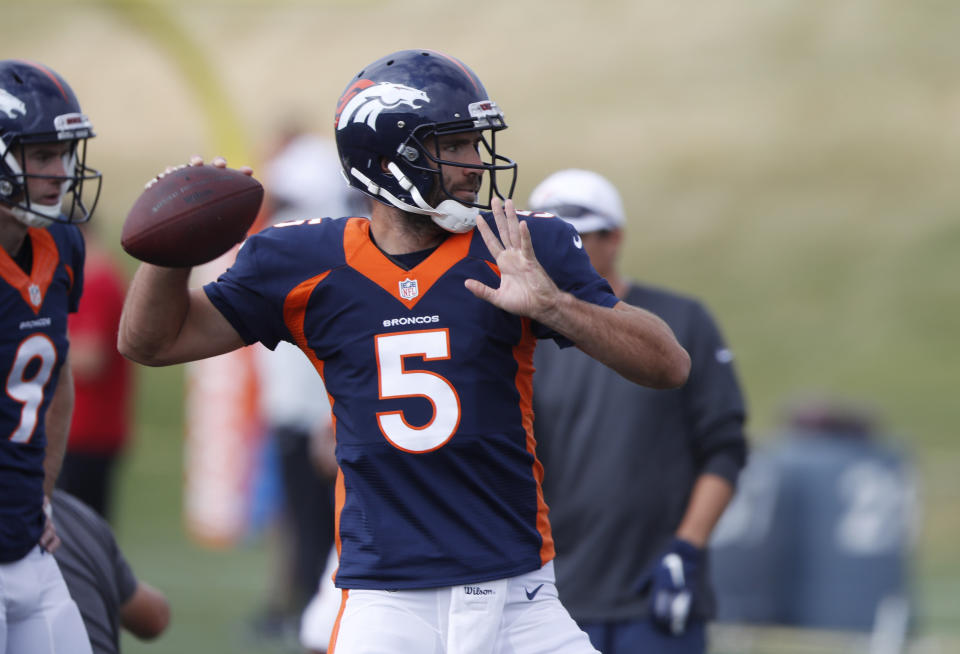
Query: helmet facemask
point(419, 170)
point(14, 184)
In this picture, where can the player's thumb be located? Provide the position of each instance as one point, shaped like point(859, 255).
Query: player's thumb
point(479, 289)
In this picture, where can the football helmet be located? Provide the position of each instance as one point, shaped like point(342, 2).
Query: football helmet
point(387, 116)
point(38, 106)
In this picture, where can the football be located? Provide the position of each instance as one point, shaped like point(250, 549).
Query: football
point(191, 215)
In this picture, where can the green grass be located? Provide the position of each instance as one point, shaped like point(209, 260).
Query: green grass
point(793, 163)
point(212, 592)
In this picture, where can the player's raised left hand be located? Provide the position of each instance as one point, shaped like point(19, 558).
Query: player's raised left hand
point(525, 288)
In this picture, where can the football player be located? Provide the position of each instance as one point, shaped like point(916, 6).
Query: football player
point(422, 319)
point(43, 135)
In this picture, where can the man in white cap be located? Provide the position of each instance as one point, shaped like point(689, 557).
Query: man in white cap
point(635, 479)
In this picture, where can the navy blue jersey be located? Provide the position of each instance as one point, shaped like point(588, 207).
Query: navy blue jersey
point(430, 389)
point(33, 347)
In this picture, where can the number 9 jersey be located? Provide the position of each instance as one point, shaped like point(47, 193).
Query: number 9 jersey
point(430, 389)
point(33, 347)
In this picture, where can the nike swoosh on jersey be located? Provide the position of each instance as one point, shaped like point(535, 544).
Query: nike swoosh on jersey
point(532, 593)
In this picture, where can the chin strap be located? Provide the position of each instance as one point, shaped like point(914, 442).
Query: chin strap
point(449, 214)
point(455, 217)
point(35, 217)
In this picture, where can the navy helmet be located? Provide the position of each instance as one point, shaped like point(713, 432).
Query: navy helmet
point(388, 113)
point(38, 106)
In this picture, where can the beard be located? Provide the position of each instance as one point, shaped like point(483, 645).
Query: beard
point(423, 226)
point(438, 195)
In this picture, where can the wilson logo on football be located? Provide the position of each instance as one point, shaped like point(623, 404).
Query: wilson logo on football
point(366, 104)
point(11, 104)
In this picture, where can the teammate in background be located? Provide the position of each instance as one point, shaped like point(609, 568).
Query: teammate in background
point(43, 136)
point(100, 579)
point(663, 465)
point(103, 382)
point(424, 330)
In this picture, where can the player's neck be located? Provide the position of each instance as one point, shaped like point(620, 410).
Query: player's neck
point(397, 232)
point(12, 233)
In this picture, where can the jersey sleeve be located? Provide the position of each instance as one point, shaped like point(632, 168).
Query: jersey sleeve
point(714, 400)
point(560, 251)
point(126, 580)
point(242, 294)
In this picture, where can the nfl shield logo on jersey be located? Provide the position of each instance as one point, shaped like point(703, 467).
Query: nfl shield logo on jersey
point(408, 289)
point(35, 297)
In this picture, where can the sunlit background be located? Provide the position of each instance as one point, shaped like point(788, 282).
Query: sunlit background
point(793, 163)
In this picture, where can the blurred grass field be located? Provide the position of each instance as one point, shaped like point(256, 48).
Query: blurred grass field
point(792, 163)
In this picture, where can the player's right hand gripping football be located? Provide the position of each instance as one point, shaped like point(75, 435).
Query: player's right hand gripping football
point(195, 160)
point(671, 583)
point(191, 214)
point(525, 288)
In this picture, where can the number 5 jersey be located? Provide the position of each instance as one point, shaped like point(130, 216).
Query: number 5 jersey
point(430, 388)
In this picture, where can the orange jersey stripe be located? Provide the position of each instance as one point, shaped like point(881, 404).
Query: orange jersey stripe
point(339, 497)
point(294, 315)
point(523, 353)
point(295, 312)
point(331, 649)
point(45, 260)
point(367, 259)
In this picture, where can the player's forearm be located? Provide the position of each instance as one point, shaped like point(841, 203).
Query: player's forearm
point(153, 313)
point(57, 423)
point(710, 496)
point(635, 343)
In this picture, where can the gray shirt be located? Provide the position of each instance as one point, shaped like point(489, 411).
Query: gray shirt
point(620, 460)
point(99, 578)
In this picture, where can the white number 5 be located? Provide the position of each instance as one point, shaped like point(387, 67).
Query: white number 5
point(29, 392)
point(395, 381)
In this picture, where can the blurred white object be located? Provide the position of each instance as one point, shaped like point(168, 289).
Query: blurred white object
point(292, 393)
point(305, 178)
point(585, 199)
point(318, 619)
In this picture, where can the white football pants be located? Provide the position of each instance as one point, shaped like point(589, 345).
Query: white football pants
point(38, 616)
point(519, 615)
